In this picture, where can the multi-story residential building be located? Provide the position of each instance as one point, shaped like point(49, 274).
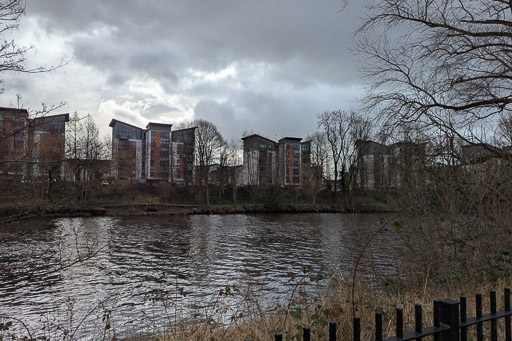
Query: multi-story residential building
point(260, 166)
point(267, 162)
point(380, 166)
point(155, 153)
point(182, 156)
point(31, 147)
point(372, 164)
point(290, 165)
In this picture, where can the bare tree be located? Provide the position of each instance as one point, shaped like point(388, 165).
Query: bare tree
point(439, 62)
point(342, 129)
point(86, 154)
point(209, 143)
point(231, 163)
point(14, 57)
point(319, 165)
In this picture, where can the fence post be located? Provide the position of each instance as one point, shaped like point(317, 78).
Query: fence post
point(449, 315)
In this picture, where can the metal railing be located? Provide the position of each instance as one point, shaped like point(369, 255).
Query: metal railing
point(450, 322)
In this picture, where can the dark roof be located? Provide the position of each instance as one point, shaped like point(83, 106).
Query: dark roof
point(174, 131)
point(257, 136)
point(290, 138)
point(14, 111)
point(114, 121)
point(51, 117)
point(166, 125)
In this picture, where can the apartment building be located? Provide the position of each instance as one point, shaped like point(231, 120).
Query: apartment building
point(267, 162)
point(382, 166)
point(31, 147)
point(154, 153)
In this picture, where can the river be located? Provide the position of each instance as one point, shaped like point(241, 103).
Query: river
point(91, 277)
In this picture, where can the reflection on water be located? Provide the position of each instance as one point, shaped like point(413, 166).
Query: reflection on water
point(143, 273)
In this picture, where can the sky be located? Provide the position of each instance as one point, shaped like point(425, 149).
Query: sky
point(266, 67)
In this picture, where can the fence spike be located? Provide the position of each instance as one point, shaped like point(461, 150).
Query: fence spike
point(378, 327)
point(437, 319)
point(463, 318)
point(278, 337)
point(357, 329)
point(494, 323)
point(479, 327)
point(306, 334)
point(507, 318)
point(332, 331)
point(399, 323)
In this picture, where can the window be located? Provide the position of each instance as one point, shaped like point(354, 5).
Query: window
point(56, 128)
point(296, 147)
point(177, 156)
point(134, 134)
point(123, 133)
point(296, 180)
point(152, 133)
point(152, 163)
point(164, 144)
point(152, 173)
point(295, 171)
point(164, 153)
point(178, 164)
point(164, 135)
point(295, 163)
point(152, 143)
point(164, 164)
point(134, 144)
point(296, 155)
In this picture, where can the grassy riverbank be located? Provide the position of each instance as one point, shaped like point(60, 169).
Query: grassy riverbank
point(346, 301)
point(13, 212)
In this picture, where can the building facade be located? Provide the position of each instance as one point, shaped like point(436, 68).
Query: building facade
point(382, 166)
point(31, 147)
point(155, 153)
point(267, 162)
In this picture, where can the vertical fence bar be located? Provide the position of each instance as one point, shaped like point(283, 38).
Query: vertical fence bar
point(306, 333)
point(399, 323)
point(418, 320)
point(437, 322)
point(357, 329)
point(507, 318)
point(479, 329)
point(332, 331)
point(494, 323)
point(278, 337)
point(378, 327)
point(463, 319)
point(449, 315)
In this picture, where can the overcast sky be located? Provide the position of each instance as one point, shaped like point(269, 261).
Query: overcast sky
point(265, 66)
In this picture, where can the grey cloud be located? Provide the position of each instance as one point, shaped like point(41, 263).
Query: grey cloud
point(157, 110)
point(291, 58)
point(212, 35)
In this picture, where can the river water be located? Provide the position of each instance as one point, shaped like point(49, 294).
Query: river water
point(89, 278)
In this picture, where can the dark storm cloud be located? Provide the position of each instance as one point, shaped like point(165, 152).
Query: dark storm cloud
point(263, 66)
point(210, 35)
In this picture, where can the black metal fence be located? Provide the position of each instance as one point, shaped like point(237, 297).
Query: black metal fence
point(450, 322)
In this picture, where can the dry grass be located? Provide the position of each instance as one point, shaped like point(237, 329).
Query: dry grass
point(338, 307)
